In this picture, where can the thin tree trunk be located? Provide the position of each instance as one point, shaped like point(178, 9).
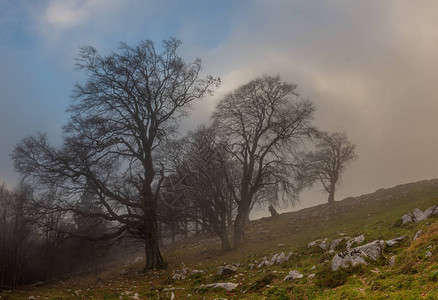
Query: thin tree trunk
point(331, 198)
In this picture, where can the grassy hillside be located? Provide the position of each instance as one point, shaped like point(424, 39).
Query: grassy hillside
point(374, 215)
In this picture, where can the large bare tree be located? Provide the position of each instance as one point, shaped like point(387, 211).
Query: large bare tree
point(262, 124)
point(334, 152)
point(120, 119)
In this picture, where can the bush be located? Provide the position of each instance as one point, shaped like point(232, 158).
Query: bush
point(330, 279)
point(262, 282)
point(277, 293)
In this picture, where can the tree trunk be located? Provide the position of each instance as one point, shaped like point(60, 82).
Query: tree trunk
point(154, 260)
point(239, 224)
point(225, 241)
point(331, 198)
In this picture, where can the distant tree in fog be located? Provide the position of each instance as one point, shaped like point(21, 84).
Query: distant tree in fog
point(262, 124)
point(334, 152)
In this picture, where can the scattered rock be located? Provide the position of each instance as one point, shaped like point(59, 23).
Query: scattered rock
point(357, 255)
point(409, 217)
point(229, 286)
point(281, 245)
point(181, 274)
point(324, 246)
point(335, 243)
point(357, 240)
point(138, 259)
point(419, 215)
point(226, 270)
point(428, 254)
point(429, 212)
point(417, 235)
point(396, 240)
point(293, 275)
point(392, 261)
point(311, 276)
point(32, 298)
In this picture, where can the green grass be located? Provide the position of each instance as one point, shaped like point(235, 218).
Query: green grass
point(375, 215)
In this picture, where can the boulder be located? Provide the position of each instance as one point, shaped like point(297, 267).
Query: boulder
point(229, 286)
point(335, 243)
point(417, 235)
point(226, 270)
point(419, 215)
point(280, 258)
point(429, 212)
point(392, 261)
point(357, 255)
point(357, 240)
point(293, 275)
point(396, 240)
point(409, 217)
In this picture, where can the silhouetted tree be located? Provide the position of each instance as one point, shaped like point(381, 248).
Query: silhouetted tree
point(262, 123)
point(327, 163)
point(210, 180)
point(121, 118)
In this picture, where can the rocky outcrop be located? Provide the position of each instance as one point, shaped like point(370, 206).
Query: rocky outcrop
point(357, 240)
point(229, 286)
point(357, 255)
point(226, 270)
point(419, 215)
point(293, 275)
point(396, 240)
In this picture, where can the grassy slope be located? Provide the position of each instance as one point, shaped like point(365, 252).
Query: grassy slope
point(374, 215)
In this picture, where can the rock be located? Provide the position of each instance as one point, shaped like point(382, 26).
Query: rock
point(273, 259)
point(227, 270)
point(32, 298)
point(136, 296)
point(392, 261)
point(172, 295)
point(138, 259)
point(229, 286)
point(324, 246)
point(357, 240)
point(293, 275)
point(311, 275)
point(419, 215)
point(181, 274)
point(396, 240)
point(313, 268)
point(280, 258)
point(429, 212)
point(428, 254)
point(251, 266)
point(409, 217)
point(281, 245)
point(417, 235)
point(335, 243)
point(435, 212)
point(288, 256)
point(311, 244)
point(357, 255)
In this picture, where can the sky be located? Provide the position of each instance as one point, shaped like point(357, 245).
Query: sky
point(370, 68)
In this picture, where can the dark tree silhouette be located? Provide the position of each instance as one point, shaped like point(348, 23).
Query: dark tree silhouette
point(330, 159)
point(262, 123)
point(121, 118)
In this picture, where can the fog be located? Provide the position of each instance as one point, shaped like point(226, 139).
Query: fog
point(369, 69)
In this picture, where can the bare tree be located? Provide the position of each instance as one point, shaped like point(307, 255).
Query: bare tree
point(262, 123)
point(327, 163)
point(209, 176)
point(121, 117)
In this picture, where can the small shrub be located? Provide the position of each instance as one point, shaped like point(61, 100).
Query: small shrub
point(434, 276)
point(262, 282)
point(277, 293)
point(331, 279)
